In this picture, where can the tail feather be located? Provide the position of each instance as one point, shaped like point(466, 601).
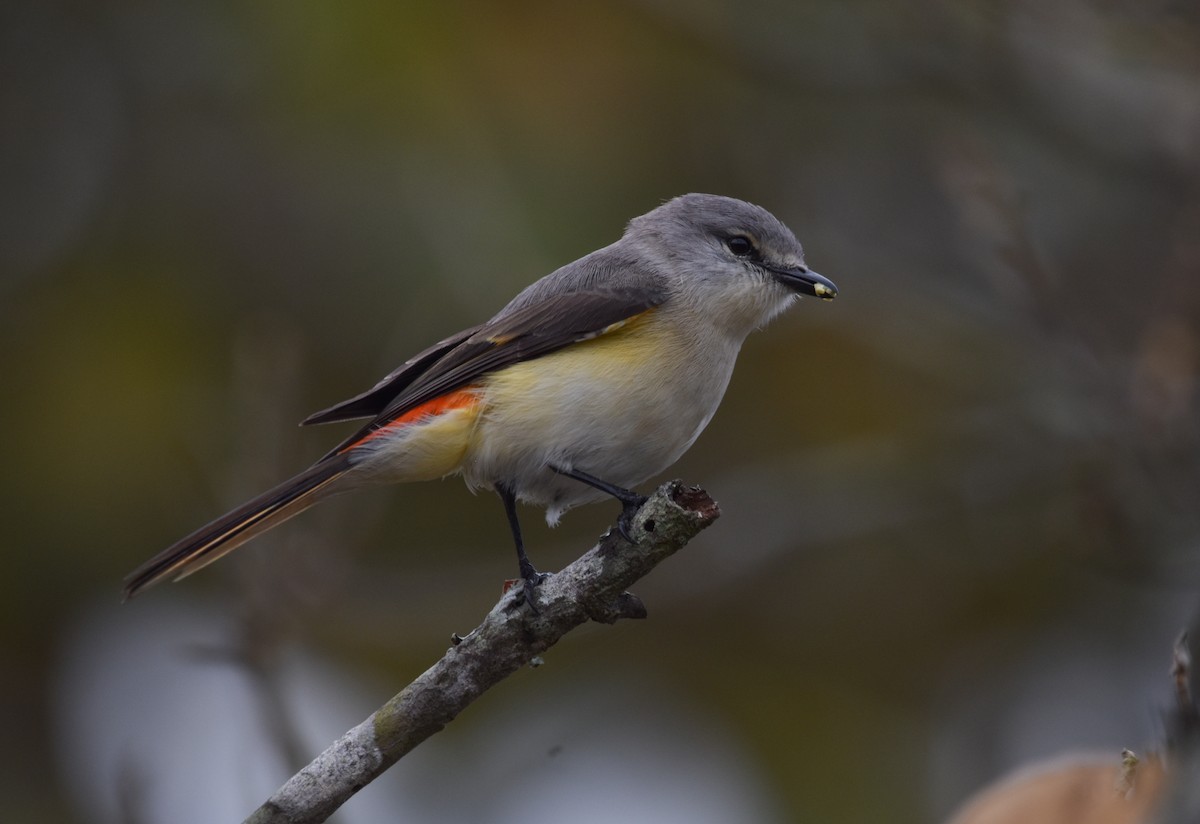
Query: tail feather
point(213, 540)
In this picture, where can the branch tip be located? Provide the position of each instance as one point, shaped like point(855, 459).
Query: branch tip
point(694, 499)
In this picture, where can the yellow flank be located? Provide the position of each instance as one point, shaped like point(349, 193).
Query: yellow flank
point(572, 396)
point(436, 448)
point(632, 343)
point(424, 450)
point(618, 353)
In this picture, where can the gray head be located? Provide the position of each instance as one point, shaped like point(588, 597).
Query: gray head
point(726, 256)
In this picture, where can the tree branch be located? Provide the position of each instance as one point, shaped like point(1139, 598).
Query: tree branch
point(590, 589)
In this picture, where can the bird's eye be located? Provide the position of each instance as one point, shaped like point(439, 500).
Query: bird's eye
point(740, 246)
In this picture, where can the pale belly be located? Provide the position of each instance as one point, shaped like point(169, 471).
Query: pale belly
point(602, 407)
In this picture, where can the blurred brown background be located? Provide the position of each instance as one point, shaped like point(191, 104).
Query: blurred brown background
point(960, 503)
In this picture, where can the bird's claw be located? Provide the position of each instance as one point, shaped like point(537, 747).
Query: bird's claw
point(531, 579)
point(629, 510)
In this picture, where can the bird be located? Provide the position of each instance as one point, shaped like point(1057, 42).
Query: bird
point(589, 382)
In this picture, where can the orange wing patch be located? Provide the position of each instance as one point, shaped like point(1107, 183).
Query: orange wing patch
point(458, 399)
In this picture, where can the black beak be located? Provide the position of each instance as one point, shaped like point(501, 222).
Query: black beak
point(805, 281)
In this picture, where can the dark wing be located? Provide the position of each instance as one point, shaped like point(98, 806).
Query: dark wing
point(527, 333)
point(376, 399)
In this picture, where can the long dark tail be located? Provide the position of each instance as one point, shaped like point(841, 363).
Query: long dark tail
point(210, 542)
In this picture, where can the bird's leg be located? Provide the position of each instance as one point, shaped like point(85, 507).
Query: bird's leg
point(631, 501)
point(529, 575)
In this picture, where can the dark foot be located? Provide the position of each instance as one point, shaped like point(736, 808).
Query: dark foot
point(528, 594)
point(531, 579)
point(629, 510)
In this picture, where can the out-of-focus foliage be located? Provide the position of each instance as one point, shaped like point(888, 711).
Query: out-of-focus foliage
point(960, 503)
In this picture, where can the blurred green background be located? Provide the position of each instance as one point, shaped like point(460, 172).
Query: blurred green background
point(960, 503)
